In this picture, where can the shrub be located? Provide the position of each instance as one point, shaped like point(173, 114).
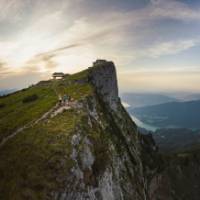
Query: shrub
point(30, 98)
point(2, 105)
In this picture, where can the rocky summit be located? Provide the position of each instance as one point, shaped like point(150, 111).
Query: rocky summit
point(88, 148)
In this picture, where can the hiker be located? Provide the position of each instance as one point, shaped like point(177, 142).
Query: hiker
point(65, 99)
point(60, 100)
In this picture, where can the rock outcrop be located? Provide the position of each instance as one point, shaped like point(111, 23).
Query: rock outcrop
point(103, 77)
point(112, 161)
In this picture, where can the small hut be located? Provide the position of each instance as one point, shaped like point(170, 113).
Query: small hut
point(58, 75)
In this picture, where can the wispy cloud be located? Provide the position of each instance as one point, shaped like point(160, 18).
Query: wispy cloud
point(4, 69)
point(9, 6)
point(169, 48)
point(47, 58)
point(160, 81)
point(44, 36)
point(174, 10)
point(2, 65)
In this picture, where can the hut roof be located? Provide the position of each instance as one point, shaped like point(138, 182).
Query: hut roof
point(58, 74)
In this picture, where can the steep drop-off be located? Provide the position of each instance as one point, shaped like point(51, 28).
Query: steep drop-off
point(90, 149)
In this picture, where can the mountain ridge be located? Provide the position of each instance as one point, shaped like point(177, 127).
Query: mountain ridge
point(89, 149)
point(145, 99)
point(173, 114)
point(92, 150)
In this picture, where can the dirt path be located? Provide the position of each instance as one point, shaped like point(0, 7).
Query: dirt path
point(51, 113)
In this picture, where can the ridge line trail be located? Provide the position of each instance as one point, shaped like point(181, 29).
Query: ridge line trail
point(51, 113)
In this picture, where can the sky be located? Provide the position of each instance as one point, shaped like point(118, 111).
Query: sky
point(154, 44)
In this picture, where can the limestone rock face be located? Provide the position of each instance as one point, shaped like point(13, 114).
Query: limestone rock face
point(112, 161)
point(104, 78)
point(108, 162)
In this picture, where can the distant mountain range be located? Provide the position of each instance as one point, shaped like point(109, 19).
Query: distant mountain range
point(172, 114)
point(145, 99)
point(185, 96)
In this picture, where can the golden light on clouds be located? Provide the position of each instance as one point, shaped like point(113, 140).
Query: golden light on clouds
point(160, 81)
point(40, 37)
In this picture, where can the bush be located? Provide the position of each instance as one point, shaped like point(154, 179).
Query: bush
point(2, 105)
point(30, 98)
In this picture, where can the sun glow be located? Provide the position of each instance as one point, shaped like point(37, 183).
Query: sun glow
point(41, 37)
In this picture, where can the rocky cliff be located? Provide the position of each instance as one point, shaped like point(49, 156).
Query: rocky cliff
point(103, 77)
point(89, 149)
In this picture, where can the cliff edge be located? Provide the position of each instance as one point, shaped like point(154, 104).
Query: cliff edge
point(89, 149)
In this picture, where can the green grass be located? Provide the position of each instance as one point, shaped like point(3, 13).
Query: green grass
point(30, 162)
point(71, 87)
point(15, 113)
point(76, 91)
point(80, 75)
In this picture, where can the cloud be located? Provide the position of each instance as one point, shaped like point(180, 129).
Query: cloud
point(82, 33)
point(20, 80)
point(170, 48)
point(173, 9)
point(9, 6)
point(154, 51)
point(47, 58)
point(62, 35)
point(2, 65)
point(4, 69)
point(160, 81)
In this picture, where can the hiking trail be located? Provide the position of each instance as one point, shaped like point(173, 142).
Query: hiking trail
point(58, 108)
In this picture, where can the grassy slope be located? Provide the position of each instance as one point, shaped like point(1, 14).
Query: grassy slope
point(76, 85)
point(31, 161)
point(15, 114)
